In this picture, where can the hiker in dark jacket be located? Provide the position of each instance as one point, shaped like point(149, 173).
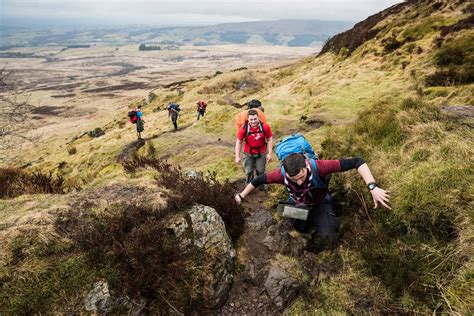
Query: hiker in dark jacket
point(298, 179)
point(173, 113)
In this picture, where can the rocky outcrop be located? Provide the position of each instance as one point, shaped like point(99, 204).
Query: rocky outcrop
point(264, 283)
point(99, 299)
point(461, 113)
point(205, 229)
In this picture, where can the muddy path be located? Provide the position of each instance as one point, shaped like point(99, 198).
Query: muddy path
point(253, 291)
point(129, 150)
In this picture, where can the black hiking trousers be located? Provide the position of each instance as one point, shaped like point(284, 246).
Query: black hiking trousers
point(323, 219)
point(174, 119)
point(201, 112)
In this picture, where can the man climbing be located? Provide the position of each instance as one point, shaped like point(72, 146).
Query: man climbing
point(201, 108)
point(306, 182)
point(136, 117)
point(173, 113)
point(257, 136)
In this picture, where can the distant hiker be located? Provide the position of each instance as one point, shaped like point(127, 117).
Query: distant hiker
point(173, 113)
point(201, 108)
point(257, 138)
point(255, 104)
point(136, 117)
point(306, 180)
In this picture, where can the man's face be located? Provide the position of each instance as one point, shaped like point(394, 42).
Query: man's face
point(253, 120)
point(300, 177)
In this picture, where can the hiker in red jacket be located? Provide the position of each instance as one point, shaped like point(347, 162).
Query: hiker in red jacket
point(306, 182)
point(201, 108)
point(258, 142)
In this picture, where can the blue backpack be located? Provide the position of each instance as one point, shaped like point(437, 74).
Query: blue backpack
point(297, 143)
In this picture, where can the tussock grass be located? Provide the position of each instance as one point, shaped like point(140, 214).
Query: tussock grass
point(53, 257)
point(15, 182)
point(416, 154)
point(455, 62)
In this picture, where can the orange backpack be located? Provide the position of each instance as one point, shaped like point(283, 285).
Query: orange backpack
point(241, 118)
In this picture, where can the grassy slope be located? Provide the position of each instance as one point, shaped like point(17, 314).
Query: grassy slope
point(373, 104)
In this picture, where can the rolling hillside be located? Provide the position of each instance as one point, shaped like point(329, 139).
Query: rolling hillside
point(397, 90)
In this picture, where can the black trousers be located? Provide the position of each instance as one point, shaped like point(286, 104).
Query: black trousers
point(174, 119)
point(200, 113)
point(321, 218)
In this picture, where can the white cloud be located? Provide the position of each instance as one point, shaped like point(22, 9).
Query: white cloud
point(130, 11)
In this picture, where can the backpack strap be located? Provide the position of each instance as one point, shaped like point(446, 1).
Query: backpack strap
point(316, 180)
point(248, 132)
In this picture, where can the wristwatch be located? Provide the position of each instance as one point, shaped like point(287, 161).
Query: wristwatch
point(371, 186)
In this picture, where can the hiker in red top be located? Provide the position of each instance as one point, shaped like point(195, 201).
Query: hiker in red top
point(201, 108)
point(306, 182)
point(258, 142)
point(136, 117)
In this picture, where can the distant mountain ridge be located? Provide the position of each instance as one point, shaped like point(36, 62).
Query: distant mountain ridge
point(281, 32)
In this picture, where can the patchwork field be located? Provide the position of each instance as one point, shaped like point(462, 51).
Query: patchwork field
point(76, 89)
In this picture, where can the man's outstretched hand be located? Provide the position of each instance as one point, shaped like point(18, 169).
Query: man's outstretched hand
point(380, 196)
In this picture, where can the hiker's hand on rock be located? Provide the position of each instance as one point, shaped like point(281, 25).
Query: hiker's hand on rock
point(380, 196)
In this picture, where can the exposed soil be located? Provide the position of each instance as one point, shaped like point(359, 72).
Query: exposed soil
point(48, 110)
point(461, 25)
point(119, 87)
point(129, 150)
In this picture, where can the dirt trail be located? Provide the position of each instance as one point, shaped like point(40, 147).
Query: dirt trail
point(248, 295)
point(262, 240)
point(128, 151)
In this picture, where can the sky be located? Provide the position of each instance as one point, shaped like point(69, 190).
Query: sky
point(185, 12)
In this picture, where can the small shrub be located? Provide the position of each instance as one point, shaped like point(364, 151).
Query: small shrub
point(71, 150)
point(391, 44)
point(137, 243)
point(150, 149)
point(456, 52)
point(96, 132)
point(15, 182)
point(410, 47)
point(184, 192)
point(151, 97)
point(451, 76)
point(455, 62)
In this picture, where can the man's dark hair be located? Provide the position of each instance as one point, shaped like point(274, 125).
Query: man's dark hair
point(139, 107)
point(294, 163)
point(252, 112)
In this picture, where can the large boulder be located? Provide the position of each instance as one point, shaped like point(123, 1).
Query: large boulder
point(205, 229)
